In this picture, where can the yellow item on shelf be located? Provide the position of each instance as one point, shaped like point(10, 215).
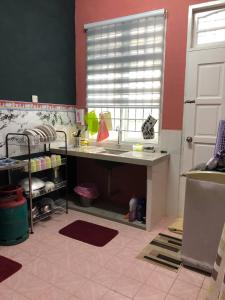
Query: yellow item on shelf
point(33, 165)
point(84, 142)
point(48, 162)
point(58, 160)
point(138, 147)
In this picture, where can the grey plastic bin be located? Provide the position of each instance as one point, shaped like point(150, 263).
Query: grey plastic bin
point(204, 217)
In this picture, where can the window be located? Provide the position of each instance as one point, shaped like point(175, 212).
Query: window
point(209, 27)
point(125, 59)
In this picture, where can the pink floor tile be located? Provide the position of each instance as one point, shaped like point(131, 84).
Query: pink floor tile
point(38, 248)
point(127, 252)
point(184, 290)
point(47, 293)
point(120, 241)
point(137, 245)
point(145, 264)
point(147, 292)
point(9, 251)
point(98, 256)
point(22, 257)
point(191, 277)
point(67, 260)
point(106, 277)
point(45, 270)
point(114, 296)
point(117, 265)
point(139, 270)
point(110, 249)
point(171, 297)
point(25, 282)
point(8, 294)
point(126, 286)
point(86, 268)
point(165, 271)
point(160, 281)
point(70, 283)
point(90, 291)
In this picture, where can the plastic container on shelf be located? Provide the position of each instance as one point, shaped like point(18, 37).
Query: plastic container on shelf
point(88, 192)
point(58, 160)
point(133, 209)
point(48, 162)
point(33, 165)
point(53, 160)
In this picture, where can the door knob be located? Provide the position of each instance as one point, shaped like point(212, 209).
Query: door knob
point(189, 139)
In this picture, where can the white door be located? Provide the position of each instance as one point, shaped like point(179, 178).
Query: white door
point(204, 104)
point(204, 101)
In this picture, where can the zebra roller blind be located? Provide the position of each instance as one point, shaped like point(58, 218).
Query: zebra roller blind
point(125, 61)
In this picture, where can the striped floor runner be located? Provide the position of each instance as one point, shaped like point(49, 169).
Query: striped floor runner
point(164, 250)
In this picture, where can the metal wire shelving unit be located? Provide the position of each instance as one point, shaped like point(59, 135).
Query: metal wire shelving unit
point(29, 143)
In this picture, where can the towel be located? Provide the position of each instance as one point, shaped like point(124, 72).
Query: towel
point(220, 140)
point(108, 120)
point(177, 226)
point(92, 122)
point(148, 128)
point(102, 131)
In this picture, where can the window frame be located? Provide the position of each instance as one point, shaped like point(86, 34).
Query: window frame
point(191, 36)
point(196, 31)
point(160, 108)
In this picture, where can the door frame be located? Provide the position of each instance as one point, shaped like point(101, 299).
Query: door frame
point(193, 9)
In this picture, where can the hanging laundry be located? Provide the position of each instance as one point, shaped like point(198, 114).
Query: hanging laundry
point(148, 128)
point(108, 120)
point(102, 131)
point(220, 140)
point(92, 122)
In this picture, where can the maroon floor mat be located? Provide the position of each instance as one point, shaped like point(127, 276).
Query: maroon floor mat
point(89, 233)
point(8, 267)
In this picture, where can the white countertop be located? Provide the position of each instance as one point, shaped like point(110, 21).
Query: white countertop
point(143, 158)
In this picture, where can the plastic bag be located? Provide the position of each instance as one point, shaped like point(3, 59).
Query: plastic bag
point(92, 122)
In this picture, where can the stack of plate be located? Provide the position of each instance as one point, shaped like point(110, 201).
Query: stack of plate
point(42, 133)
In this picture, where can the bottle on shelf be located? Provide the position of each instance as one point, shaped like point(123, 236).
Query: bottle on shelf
point(33, 165)
point(48, 162)
point(132, 209)
point(58, 160)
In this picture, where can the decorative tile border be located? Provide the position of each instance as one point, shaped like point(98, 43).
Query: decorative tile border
point(12, 104)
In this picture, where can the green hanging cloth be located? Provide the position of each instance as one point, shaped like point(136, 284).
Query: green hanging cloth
point(92, 122)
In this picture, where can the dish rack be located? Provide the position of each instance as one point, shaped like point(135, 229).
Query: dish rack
point(29, 144)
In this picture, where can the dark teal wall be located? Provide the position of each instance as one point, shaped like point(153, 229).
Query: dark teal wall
point(37, 55)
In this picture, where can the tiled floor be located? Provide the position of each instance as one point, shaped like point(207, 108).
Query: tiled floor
point(59, 268)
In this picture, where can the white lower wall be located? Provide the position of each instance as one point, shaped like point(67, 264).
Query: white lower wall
point(170, 140)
